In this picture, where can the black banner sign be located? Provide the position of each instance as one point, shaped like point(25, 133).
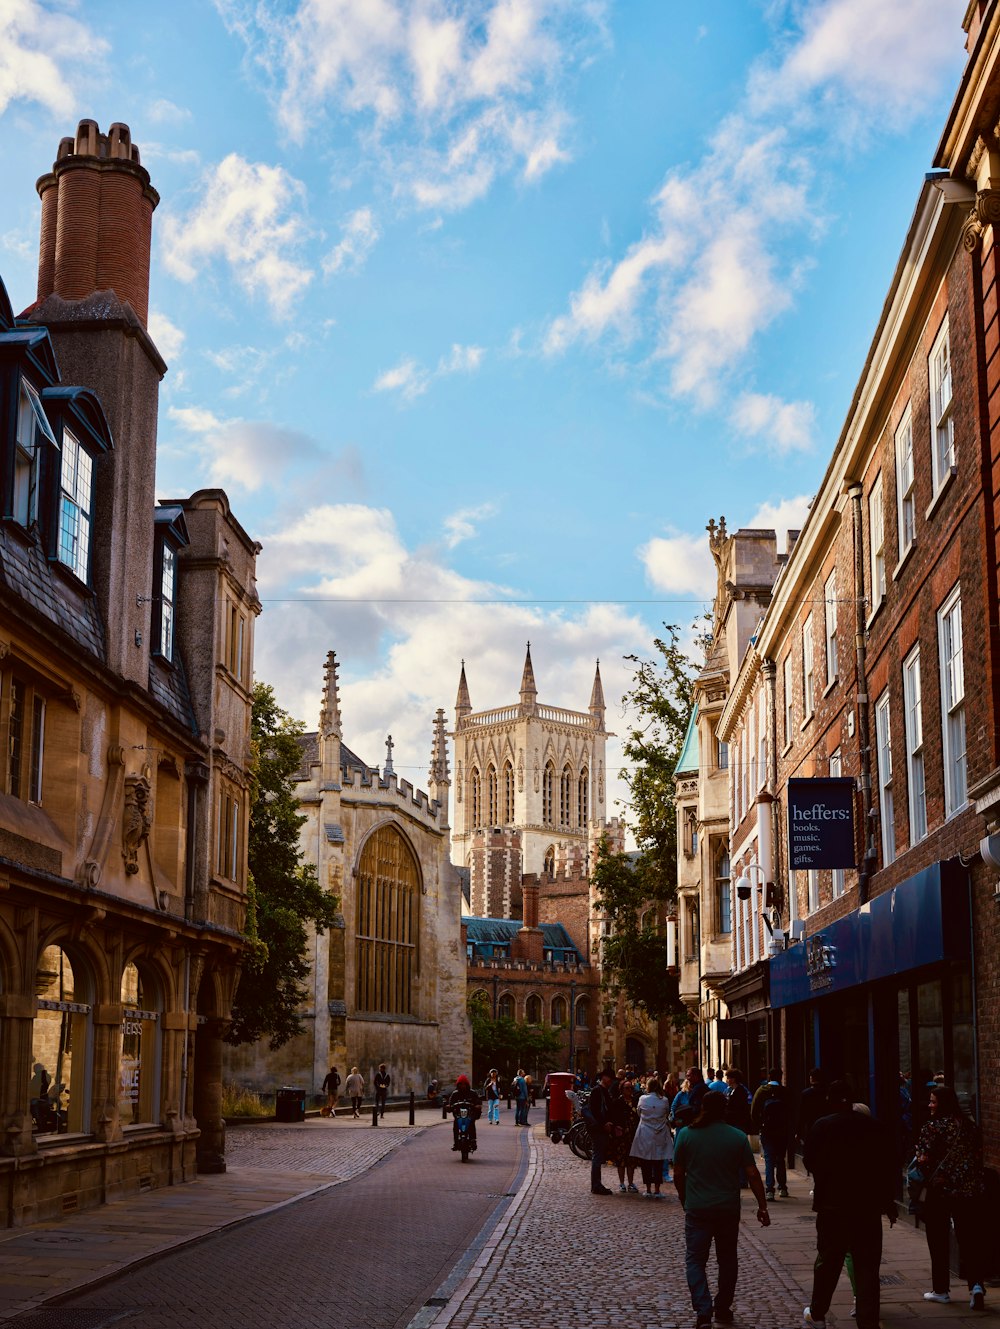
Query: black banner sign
point(821, 823)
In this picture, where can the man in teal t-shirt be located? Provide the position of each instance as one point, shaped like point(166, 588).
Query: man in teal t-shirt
point(710, 1161)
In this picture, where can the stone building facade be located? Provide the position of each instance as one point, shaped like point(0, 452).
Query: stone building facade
point(388, 982)
point(124, 711)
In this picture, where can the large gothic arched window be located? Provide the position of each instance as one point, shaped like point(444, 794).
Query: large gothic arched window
point(476, 796)
point(583, 799)
point(491, 794)
point(387, 924)
point(508, 794)
point(565, 801)
point(548, 788)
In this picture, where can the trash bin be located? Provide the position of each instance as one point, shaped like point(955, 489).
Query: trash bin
point(290, 1104)
point(560, 1109)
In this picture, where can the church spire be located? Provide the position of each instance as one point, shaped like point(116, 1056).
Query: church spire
point(439, 777)
point(597, 707)
point(463, 703)
point(528, 690)
point(329, 716)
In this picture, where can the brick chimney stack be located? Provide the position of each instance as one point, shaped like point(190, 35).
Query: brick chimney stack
point(97, 216)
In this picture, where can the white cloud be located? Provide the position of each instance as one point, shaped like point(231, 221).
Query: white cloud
point(461, 360)
point(246, 454)
point(250, 216)
point(401, 622)
point(862, 57)
point(462, 525)
point(359, 235)
point(726, 244)
point(680, 563)
point(448, 96)
point(407, 378)
point(165, 112)
point(167, 336)
point(782, 515)
point(783, 427)
point(43, 53)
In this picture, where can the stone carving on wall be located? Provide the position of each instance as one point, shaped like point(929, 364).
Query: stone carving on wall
point(137, 820)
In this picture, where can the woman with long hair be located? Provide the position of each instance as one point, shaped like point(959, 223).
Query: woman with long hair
point(948, 1154)
point(491, 1092)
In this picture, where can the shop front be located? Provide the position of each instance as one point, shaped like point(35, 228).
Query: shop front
point(884, 997)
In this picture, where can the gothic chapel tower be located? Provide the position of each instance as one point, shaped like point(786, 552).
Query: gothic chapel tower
point(529, 790)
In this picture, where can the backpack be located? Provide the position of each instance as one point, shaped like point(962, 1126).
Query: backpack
point(774, 1113)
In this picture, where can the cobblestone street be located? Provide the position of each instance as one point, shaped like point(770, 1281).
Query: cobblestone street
point(415, 1240)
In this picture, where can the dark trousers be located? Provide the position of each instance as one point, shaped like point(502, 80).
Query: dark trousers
point(839, 1231)
point(773, 1147)
point(967, 1215)
point(602, 1152)
point(652, 1171)
point(700, 1230)
point(380, 1096)
point(521, 1112)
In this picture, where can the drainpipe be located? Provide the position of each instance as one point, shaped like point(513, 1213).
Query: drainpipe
point(868, 863)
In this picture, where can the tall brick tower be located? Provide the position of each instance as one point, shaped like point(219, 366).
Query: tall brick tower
point(93, 295)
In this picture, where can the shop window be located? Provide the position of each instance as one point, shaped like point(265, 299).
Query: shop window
point(533, 1009)
point(60, 1048)
point(387, 924)
point(139, 1067)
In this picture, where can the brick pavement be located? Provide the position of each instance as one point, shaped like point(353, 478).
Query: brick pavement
point(619, 1260)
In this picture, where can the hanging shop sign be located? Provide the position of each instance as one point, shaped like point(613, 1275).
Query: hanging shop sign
point(821, 823)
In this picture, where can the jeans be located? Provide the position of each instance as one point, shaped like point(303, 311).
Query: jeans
point(774, 1147)
point(839, 1232)
point(521, 1112)
point(493, 1110)
point(700, 1229)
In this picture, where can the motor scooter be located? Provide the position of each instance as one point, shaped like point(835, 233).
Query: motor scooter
point(463, 1128)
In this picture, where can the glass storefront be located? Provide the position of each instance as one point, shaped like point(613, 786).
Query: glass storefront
point(59, 1049)
point(140, 1026)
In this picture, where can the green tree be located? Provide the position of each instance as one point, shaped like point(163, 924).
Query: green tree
point(636, 887)
point(508, 1044)
point(285, 896)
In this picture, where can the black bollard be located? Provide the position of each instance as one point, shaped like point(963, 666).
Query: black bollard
point(508, 1100)
point(412, 1108)
point(375, 1113)
point(444, 1109)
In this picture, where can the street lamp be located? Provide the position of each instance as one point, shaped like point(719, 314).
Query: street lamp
point(572, 1024)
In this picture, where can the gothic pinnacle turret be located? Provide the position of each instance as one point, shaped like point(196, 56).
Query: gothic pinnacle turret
point(463, 704)
point(438, 776)
point(329, 716)
point(528, 690)
point(597, 707)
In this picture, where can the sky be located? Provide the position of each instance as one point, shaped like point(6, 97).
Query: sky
point(480, 309)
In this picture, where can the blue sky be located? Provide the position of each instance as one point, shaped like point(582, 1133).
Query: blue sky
point(480, 309)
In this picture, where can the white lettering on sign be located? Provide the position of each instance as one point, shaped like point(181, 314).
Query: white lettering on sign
point(820, 812)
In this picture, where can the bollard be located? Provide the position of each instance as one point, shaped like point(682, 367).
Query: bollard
point(375, 1113)
point(444, 1109)
point(508, 1100)
point(412, 1109)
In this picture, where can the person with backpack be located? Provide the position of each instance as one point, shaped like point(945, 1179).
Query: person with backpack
point(770, 1118)
point(738, 1101)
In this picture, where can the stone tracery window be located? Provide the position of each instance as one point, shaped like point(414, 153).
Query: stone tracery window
point(387, 924)
point(533, 1009)
point(505, 1007)
point(476, 795)
point(565, 802)
point(548, 790)
point(583, 799)
point(558, 1012)
point(491, 794)
point(508, 794)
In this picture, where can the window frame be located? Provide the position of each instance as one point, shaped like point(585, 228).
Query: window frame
point(954, 748)
point(830, 628)
point(74, 520)
point(887, 806)
point(876, 542)
point(788, 698)
point(942, 416)
point(808, 670)
point(916, 770)
point(836, 874)
point(906, 499)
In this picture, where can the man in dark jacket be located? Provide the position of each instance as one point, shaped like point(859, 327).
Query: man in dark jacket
point(851, 1158)
point(465, 1096)
point(770, 1116)
point(599, 1116)
point(812, 1104)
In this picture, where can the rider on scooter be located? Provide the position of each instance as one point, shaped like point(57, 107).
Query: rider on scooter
point(465, 1095)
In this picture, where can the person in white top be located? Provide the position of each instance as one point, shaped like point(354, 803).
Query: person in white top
point(355, 1088)
point(653, 1144)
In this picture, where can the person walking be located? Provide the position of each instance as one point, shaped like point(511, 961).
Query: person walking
point(355, 1087)
point(851, 1160)
point(331, 1087)
point(520, 1099)
point(738, 1101)
point(653, 1145)
point(948, 1155)
point(491, 1092)
point(813, 1104)
point(625, 1115)
point(769, 1114)
point(599, 1115)
point(710, 1161)
point(382, 1082)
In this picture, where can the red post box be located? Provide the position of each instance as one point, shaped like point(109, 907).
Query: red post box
point(559, 1112)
